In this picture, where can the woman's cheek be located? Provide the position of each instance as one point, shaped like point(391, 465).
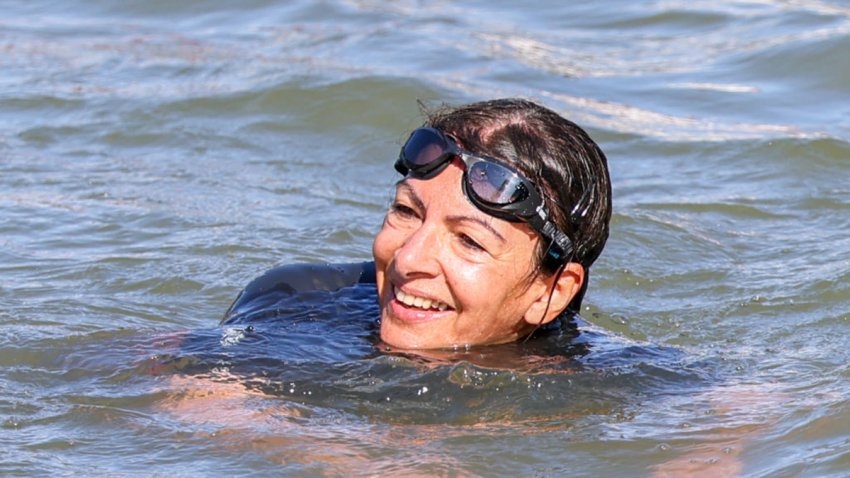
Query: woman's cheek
point(381, 247)
point(468, 281)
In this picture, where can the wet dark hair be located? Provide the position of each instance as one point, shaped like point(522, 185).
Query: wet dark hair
point(553, 152)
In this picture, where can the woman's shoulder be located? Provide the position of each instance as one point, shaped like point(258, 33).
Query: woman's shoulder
point(291, 280)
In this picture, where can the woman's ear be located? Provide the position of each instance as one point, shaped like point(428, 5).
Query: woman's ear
point(562, 289)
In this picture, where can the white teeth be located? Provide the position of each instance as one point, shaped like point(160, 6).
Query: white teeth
point(419, 302)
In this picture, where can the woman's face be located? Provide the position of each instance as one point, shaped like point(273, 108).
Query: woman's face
point(449, 274)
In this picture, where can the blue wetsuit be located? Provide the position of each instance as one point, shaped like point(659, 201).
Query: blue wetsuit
point(264, 295)
point(310, 332)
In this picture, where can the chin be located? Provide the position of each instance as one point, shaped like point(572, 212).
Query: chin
point(392, 336)
point(404, 339)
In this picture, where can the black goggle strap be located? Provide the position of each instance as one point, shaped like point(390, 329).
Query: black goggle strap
point(559, 244)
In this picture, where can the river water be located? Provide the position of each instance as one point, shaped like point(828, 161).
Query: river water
point(156, 156)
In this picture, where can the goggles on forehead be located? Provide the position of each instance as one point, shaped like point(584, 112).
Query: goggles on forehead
point(493, 187)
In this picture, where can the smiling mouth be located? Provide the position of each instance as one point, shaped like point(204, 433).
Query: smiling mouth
point(411, 300)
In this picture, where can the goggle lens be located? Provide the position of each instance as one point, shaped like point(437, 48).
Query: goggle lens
point(423, 148)
point(495, 184)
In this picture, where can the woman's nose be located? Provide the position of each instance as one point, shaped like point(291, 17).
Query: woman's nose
point(418, 254)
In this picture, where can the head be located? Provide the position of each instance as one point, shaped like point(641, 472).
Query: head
point(459, 264)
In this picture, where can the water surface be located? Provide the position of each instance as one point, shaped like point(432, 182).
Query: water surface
point(156, 157)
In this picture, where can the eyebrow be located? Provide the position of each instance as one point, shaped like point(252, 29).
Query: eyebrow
point(480, 222)
point(417, 201)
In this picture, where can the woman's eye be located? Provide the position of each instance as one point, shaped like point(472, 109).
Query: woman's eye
point(402, 211)
point(471, 243)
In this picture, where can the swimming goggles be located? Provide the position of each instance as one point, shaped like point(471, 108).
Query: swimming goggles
point(493, 187)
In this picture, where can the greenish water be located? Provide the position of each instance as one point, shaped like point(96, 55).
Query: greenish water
point(155, 157)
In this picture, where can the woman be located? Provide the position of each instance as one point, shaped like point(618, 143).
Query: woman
point(503, 207)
